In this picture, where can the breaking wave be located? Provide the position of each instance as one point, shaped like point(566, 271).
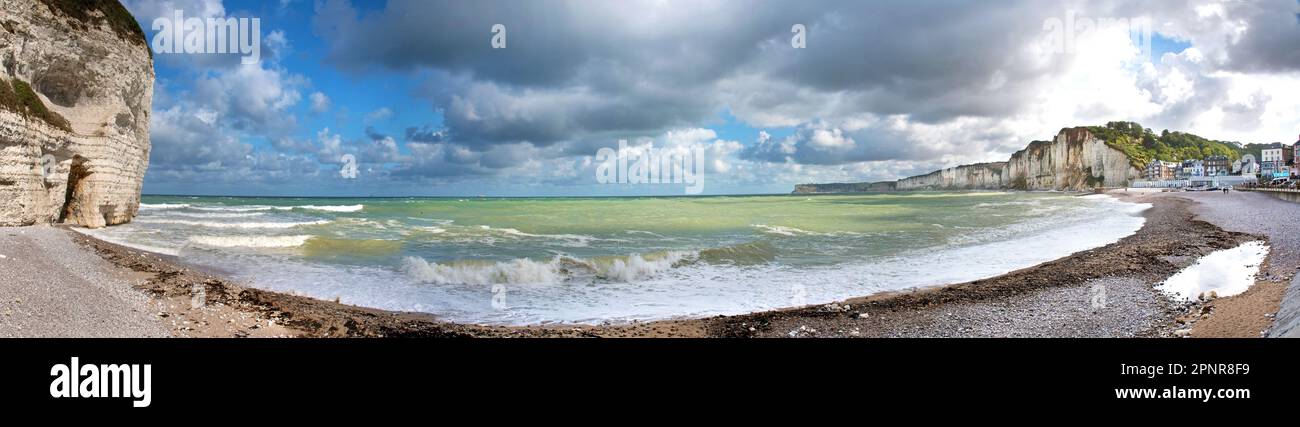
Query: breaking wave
point(558, 269)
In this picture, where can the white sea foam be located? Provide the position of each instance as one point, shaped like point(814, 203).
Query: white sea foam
point(216, 224)
point(107, 237)
point(163, 206)
point(235, 208)
point(776, 229)
point(263, 208)
point(341, 208)
point(250, 241)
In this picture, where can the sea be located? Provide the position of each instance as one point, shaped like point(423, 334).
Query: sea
point(610, 260)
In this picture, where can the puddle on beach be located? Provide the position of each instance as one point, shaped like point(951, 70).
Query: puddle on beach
point(1227, 272)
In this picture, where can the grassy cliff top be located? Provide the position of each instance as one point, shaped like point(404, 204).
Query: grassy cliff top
point(1142, 145)
point(118, 18)
point(19, 98)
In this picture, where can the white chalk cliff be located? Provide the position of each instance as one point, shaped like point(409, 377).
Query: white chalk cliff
point(1075, 160)
point(76, 87)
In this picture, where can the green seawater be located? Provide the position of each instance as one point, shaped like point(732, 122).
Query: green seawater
point(618, 258)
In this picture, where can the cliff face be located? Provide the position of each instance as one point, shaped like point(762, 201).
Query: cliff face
point(965, 177)
point(1074, 160)
point(76, 87)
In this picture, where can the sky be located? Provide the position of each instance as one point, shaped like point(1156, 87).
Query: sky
point(416, 93)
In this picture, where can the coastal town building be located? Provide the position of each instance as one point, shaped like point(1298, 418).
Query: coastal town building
point(1191, 168)
point(1160, 170)
point(1217, 166)
point(1277, 162)
point(1272, 162)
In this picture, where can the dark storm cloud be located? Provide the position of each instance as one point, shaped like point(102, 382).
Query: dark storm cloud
point(575, 69)
point(931, 60)
point(1272, 43)
point(578, 76)
point(550, 42)
point(1269, 39)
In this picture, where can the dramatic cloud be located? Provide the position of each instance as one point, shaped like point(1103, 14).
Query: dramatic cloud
point(575, 69)
point(882, 89)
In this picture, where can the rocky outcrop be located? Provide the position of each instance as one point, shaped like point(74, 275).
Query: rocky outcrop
point(76, 87)
point(1075, 160)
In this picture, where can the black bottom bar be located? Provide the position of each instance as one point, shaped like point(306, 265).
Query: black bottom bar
point(398, 374)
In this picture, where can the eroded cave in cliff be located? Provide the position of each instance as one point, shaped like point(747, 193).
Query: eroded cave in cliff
point(76, 175)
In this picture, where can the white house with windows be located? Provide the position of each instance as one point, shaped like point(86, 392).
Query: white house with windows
point(1272, 161)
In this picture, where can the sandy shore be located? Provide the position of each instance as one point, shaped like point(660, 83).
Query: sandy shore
point(56, 272)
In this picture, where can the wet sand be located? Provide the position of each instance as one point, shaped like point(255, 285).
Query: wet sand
point(1054, 299)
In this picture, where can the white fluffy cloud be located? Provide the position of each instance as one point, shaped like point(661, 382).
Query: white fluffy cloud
point(320, 103)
